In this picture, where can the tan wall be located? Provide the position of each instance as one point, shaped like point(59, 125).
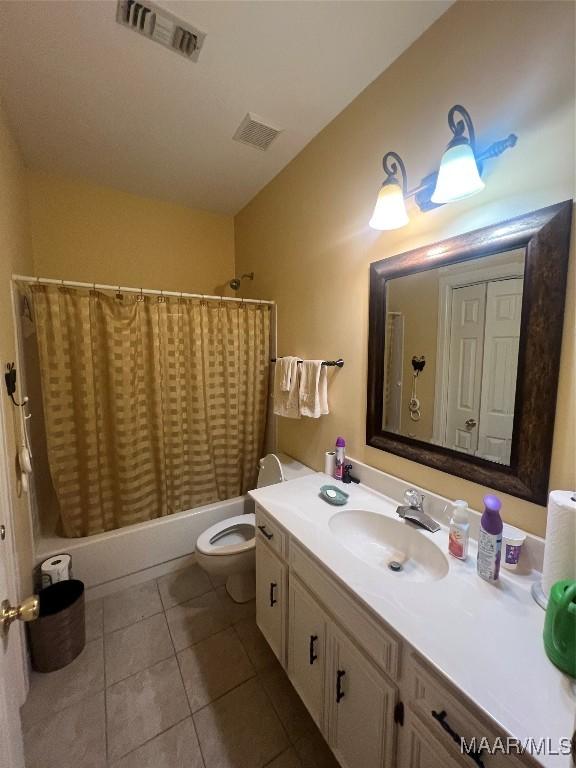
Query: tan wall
point(82, 231)
point(15, 256)
point(416, 298)
point(306, 233)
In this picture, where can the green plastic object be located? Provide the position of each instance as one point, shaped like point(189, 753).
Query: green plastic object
point(333, 495)
point(560, 626)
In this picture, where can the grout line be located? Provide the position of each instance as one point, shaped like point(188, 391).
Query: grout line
point(191, 713)
point(138, 621)
point(222, 695)
point(271, 701)
point(160, 733)
point(291, 747)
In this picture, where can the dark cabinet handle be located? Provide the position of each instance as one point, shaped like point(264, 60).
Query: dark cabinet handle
point(273, 600)
point(339, 692)
point(313, 656)
point(473, 755)
point(265, 532)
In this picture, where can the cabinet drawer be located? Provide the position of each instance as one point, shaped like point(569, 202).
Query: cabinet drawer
point(377, 641)
point(270, 532)
point(418, 748)
point(450, 717)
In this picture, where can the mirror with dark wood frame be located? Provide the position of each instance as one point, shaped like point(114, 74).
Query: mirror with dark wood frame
point(464, 351)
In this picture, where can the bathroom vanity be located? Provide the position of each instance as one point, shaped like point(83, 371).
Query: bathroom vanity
point(395, 667)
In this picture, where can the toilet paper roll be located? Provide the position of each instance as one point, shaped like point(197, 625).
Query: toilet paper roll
point(330, 462)
point(560, 544)
point(56, 568)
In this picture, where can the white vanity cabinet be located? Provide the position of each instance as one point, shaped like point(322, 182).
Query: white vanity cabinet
point(377, 702)
point(347, 695)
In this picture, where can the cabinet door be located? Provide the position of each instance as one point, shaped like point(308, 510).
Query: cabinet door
point(271, 603)
point(360, 703)
point(307, 649)
point(418, 748)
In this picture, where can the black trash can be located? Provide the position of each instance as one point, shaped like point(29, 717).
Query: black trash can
point(59, 633)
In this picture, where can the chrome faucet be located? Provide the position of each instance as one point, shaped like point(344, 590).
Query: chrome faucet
point(413, 510)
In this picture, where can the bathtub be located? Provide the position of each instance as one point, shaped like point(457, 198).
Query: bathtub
point(117, 559)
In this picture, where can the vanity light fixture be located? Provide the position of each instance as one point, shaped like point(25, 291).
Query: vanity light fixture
point(459, 175)
point(390, 209)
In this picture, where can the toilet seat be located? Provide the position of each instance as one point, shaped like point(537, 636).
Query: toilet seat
point(228, 537)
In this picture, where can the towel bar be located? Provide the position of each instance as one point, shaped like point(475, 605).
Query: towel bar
point(338, 363)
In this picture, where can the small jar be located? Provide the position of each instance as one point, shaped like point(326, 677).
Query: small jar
point(512, 541)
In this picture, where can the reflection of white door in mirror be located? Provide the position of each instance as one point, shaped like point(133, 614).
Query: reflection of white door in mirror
point(465, 367)
point(501, 342)
point(483, 361)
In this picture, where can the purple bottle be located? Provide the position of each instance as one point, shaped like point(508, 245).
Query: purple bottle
point(490, 539)
point(340, 458)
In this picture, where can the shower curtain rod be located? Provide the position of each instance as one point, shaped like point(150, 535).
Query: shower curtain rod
point(125, 289)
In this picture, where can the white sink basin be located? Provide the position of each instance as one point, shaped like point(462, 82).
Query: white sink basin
point(379, 541)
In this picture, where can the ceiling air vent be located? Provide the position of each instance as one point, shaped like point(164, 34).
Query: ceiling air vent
point(161, 26)
point(254, 131)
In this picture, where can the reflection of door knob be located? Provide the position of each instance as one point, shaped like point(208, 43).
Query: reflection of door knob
point(471, 423)
point(28, 610)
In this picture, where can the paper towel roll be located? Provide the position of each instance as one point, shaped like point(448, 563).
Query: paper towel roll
point(330, 462)
point(56, 568)
point(560, 544)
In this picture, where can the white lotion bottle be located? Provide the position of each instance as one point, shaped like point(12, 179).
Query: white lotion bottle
point(459, 533)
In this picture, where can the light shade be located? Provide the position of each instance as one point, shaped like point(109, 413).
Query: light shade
point(458, 176)
point(389, 211)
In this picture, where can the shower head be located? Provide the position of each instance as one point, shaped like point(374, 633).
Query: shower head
point(235, 282)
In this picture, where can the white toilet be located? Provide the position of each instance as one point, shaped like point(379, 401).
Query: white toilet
point(228, 547)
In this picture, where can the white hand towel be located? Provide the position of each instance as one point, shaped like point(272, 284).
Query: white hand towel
point(313, 389)
point(286, 402)
point(286, 371)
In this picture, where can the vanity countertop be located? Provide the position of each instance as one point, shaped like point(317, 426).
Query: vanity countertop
point(485, 638)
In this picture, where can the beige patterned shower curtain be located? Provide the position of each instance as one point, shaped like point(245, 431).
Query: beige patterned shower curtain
point(152, 404)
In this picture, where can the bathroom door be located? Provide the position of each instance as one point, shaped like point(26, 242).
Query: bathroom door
point(501, 340)
point(465, 377)
point(11, 644)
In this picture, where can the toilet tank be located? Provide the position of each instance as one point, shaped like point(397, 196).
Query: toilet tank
point(278, 467)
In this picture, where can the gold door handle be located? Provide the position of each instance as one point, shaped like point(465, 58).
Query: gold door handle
point(28, 610)
point(470, 423)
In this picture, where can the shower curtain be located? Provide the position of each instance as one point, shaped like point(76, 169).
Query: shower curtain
point(153, 405)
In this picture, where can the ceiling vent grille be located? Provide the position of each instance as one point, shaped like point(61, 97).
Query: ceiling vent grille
point(254, 131)
point(161, 26)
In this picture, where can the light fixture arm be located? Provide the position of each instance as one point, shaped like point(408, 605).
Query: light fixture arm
point(391, 162)
point(458, 127)
point(496, 149)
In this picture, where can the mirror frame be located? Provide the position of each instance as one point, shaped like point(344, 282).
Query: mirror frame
point(546, 236)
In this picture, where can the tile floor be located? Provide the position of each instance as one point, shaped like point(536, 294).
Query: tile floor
point(174, 675)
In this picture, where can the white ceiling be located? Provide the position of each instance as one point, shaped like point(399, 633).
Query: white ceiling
point(88, 97)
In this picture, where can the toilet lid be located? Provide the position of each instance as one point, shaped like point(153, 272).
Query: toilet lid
point(270, 471)
point(228, 537)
